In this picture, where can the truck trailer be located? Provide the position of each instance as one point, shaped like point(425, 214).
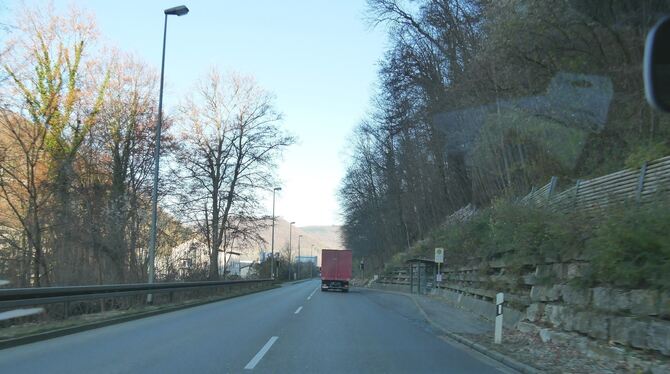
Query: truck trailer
point(336, 267)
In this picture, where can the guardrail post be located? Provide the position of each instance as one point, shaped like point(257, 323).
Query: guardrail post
point(640, 183)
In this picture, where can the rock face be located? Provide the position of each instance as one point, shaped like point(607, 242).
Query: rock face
point(664, 305)
point(659, 337)
point(611, 299)
point(576, 296)
point(545, 335)
point(534, 312)
point(644, 302)
point(545, 293)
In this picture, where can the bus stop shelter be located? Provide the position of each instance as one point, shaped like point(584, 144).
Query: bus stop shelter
point(421, 275)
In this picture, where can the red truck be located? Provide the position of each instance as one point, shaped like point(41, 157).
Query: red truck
point(336, 269)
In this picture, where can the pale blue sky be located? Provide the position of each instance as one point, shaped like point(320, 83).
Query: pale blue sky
point(319, 57)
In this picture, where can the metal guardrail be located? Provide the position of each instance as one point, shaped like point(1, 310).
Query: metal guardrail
point(17, 297)
point(12, 314)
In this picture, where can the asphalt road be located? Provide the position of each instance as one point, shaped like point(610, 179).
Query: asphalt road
point(293, 329)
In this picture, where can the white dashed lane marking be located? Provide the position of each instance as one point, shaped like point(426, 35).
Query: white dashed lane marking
point(312, 294)
point(259, 356)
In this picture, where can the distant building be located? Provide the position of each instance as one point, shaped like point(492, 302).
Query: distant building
point(311, 259)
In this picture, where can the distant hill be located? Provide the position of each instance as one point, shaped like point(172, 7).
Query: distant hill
point(314, 238)
point(330, 236)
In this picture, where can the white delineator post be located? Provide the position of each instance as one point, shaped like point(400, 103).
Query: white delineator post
point(500, 299)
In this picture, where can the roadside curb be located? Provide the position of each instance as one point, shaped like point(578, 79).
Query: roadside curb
point(509, 361)
point(14, 342)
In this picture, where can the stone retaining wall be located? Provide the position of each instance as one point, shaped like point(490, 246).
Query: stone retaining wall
point(632, 318)
point(543, 297)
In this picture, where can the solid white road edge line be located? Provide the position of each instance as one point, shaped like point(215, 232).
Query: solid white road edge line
point(259, 356)
point(297, 310)
point(312, 294)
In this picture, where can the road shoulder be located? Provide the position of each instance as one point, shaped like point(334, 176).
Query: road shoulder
point(447, 319)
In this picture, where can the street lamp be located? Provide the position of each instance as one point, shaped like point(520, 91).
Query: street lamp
point(177, 11)
point(272, 262)
point(290, 236)
point(299, 237)
point(312, 264)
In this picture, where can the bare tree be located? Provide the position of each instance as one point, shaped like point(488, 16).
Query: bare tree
point(227, 156)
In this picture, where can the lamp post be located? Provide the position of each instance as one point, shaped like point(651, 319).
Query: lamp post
point(299, 237)
point(177, 11)
point(312, 264)
point(272, 246)
point(290, 236)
